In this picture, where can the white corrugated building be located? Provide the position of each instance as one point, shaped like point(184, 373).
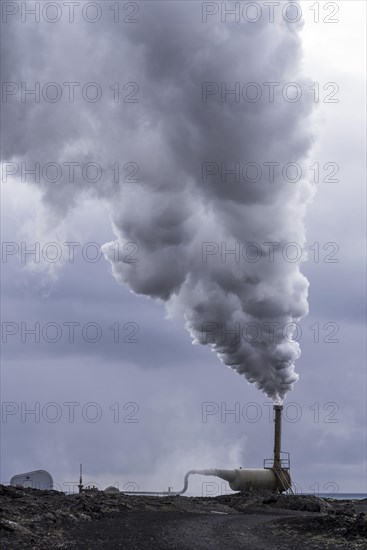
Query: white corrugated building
point(38, 479)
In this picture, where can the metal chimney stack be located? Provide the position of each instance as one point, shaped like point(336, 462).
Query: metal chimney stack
point(277, 434)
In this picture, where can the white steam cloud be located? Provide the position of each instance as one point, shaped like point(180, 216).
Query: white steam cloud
point(178, 141)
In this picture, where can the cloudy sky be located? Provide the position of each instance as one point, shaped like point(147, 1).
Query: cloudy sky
point(123, 151)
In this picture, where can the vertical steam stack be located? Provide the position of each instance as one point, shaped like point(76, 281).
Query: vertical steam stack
point(277, 435)
point(281, 471)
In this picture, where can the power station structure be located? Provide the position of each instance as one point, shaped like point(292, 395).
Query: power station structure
point(274, 476)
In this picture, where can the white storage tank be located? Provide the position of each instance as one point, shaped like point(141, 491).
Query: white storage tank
point(247, 479)
point(111, 489)
point(38, 479)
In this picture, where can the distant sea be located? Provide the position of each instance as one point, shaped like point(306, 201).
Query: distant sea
point(340, 496)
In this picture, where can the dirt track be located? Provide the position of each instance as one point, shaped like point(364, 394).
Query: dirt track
point(252, 521)
point(168, 530)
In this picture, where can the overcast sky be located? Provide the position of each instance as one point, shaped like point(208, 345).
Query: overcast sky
point(141, 404)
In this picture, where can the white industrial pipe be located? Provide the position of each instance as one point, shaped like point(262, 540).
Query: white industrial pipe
point(238, 480)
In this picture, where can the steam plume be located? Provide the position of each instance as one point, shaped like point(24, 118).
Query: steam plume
point(173, 210)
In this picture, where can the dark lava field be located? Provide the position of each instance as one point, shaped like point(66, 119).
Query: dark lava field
point(257, 520)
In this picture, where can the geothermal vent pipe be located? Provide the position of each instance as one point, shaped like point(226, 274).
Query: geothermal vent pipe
point(166, 493)
point(228, 475)
point(277, 434)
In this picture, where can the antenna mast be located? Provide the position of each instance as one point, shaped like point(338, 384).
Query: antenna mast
point(81, 479)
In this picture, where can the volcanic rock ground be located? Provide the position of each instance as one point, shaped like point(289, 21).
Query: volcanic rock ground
point(256, 520)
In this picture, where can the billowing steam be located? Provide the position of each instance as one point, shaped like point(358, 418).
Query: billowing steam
point(182, 210)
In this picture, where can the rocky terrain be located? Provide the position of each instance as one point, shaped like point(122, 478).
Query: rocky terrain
point(256, 520)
